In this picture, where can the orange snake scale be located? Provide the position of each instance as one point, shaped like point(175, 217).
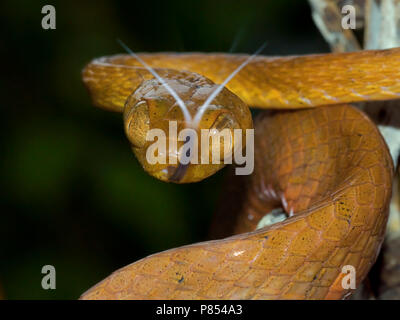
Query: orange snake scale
point(330, 165)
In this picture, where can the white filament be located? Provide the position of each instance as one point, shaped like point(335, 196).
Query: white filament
point(204, 107)
point(185, 111)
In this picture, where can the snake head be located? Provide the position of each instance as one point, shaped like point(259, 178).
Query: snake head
point(174, 149)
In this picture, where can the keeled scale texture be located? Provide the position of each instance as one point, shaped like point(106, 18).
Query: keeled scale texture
point(333, 168)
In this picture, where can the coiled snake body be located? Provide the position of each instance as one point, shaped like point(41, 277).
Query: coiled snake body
point(328, 167)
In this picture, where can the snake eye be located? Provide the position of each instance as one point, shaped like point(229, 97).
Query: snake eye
point(225, 121)
point(223, 135)
point(136, 122)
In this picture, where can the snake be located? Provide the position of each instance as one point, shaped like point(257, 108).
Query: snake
point(319, 158)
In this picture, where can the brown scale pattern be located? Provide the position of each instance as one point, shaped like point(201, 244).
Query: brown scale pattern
point(334, 169)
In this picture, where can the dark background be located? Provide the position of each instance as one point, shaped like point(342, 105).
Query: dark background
point(72, 193)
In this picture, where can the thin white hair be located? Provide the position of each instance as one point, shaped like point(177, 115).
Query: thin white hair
point(181, 104)
point(179, 101)
point(212, 96)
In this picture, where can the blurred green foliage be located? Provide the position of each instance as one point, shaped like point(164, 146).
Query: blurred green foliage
point(72, 193)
